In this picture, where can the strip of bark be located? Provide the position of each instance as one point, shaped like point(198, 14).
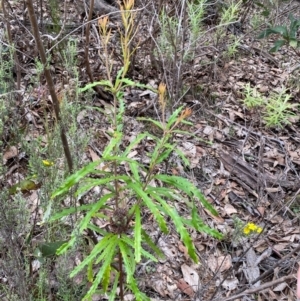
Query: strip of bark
point(50, 83)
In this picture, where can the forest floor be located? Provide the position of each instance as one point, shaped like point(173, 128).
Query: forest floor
point(248, 171)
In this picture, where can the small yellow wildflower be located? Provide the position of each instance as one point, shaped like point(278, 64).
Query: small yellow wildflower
point(251, 227)
point(47, 163)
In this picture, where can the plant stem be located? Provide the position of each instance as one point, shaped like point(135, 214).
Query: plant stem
point(50, 83)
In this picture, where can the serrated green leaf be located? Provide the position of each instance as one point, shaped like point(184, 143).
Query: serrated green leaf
point(147, 239)
point(128, 259)
point(118, 158)
point(177, 220)
point(200, 226)
point(110, 248)
point(98, 230)
point(144, 252)
point(137, 293)
point(106, 278)
point(154, 155)
point(69, 211)
point(148, 255)
point(182, 157)
point(113, 292)
point(90, 274)
point(96, 206)
point(120, 114)
point(134, 167)
point(135, 142)
point(148, 202)
point(102, 245)
point(158, 124)
point(64, 247)
point(128, 240)
point(187, 187)
point(131, 83)
point(137, 235)
point(115, 140)
point(120, 95)
point(162, 191)
point(98, 182)
point(172, 119)
point(119, 76)
point(163, 156)
point(184, 121)
point(105, 83)
point(127, 82)
point(108, 260)
point(74, 179)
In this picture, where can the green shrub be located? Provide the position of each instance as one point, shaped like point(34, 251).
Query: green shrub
point(125, 195)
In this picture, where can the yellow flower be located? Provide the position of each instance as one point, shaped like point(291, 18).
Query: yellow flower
point(47, 163)
point(251, 227)
point(259, 229)
point(246, 230)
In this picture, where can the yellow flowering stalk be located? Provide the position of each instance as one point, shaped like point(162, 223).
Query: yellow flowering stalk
point(105, 34)
point(252, 228)
point(162, 100)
